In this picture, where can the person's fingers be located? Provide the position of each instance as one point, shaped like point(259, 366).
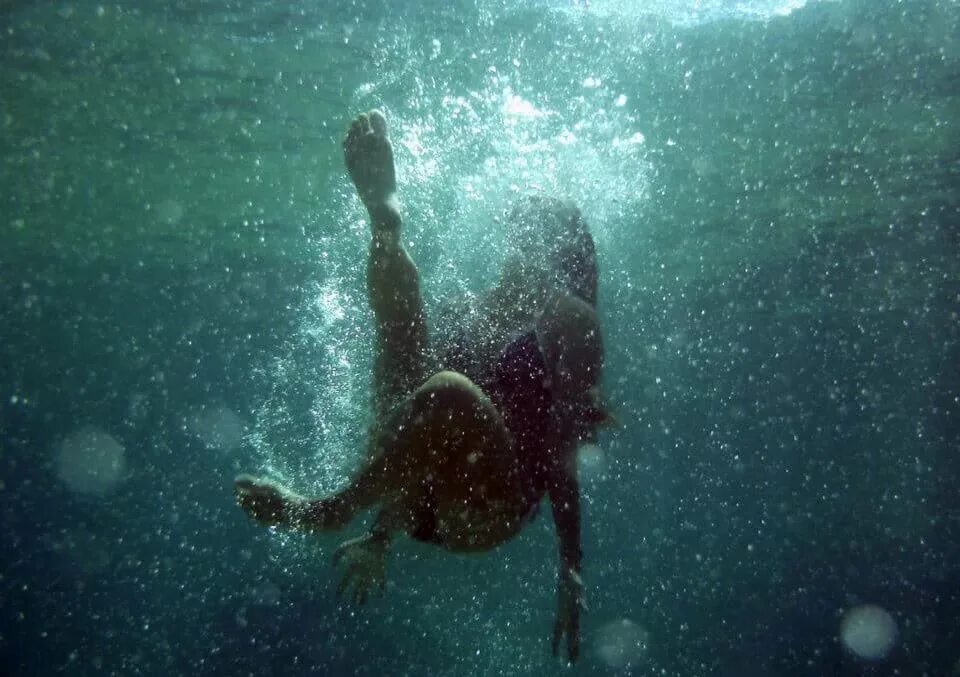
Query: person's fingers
point(243, 499)
point(244, 483)
point(348, 577)
point(248, 488)
point(355, 132)
point(364, 123)
point(557, 634)
point(340, 552)
point(266, 508)
point(251, 506)
point(573, 637)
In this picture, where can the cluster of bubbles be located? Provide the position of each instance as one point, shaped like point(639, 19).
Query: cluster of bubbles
point(468, 158)
point(310, 430)
point(680, 12)
point(466, 147)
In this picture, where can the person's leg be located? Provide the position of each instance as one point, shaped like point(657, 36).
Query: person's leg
point(439, 447)
point(393, 291)
point(393, 285)
point(394, 295)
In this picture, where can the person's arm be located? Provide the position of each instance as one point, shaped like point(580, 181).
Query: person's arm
point(564, 493)
point(274, 505)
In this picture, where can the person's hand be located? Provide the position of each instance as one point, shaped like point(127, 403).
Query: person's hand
point(569, 603)
point(263, 500)
point(364, 561)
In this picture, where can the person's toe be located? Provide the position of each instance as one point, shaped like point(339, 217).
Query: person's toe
point(378, 122)
point(363, 123)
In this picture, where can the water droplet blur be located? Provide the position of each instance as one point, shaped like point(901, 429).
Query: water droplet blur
point(869, 631)
point(91, 461)
point(623, 645)
point(218, 428)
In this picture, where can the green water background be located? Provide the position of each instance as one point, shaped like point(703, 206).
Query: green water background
point(774, 199)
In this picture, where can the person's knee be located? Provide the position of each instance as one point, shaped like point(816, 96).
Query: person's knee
point(447, 381)
point(449, 410)
point(450, 393)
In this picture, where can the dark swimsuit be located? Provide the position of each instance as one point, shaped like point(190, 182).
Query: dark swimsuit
point(520, 392)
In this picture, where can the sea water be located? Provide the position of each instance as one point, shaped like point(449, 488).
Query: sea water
point(772, 188)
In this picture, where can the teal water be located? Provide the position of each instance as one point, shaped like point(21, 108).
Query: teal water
point(773, 190)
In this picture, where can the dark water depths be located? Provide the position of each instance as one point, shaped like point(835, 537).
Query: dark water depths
point(773, 189)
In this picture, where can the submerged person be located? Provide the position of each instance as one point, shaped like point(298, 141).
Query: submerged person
point(462, 458)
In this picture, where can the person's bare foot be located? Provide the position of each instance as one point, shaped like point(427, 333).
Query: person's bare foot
point(369, 158)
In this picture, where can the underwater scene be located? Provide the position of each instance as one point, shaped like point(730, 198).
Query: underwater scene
point(772, 188)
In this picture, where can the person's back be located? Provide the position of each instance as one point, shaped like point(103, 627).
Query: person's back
point(548, 250)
